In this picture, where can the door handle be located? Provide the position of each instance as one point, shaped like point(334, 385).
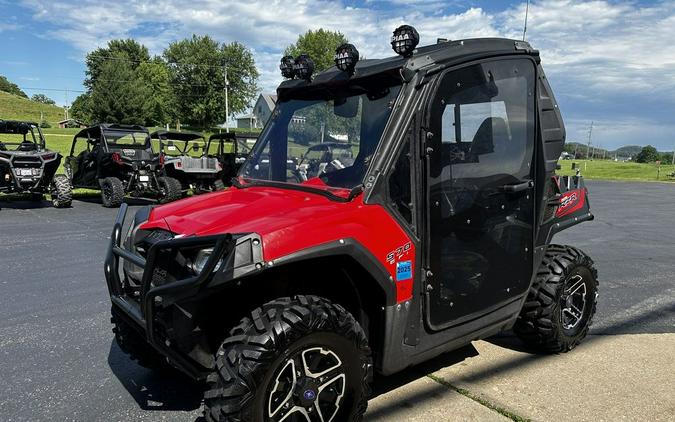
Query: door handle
point(517, 187)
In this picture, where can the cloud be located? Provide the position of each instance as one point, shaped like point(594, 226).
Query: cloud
point(608, 61)
point(6, 26)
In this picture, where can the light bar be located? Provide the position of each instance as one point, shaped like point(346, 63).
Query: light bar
point(346, 57)
point(404, 40)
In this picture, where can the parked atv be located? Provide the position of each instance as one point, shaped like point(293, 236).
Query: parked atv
point(286, 295)
point(119, 160)
point(230, 151)
point(28, 167)
point(186, 159)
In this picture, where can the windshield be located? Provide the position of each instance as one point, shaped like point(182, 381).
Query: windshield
point(325, 138)
point(228, 146)
point(194, 148)
point(127, 139)
point(24, 137)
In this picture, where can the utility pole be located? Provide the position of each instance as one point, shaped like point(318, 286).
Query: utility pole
point(673, 163)
point(227, 105)
point(527, 10)
point(588, 149)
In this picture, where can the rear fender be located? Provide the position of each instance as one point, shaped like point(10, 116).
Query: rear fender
point(568, 206)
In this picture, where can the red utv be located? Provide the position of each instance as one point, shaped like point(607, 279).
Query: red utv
point(286, 293)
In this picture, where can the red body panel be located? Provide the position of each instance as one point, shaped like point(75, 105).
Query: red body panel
point(290, 221)
point(571, 201)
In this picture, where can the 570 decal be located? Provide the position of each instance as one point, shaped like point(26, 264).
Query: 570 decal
point(398, 252)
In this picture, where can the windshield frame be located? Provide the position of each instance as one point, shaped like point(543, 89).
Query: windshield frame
point(333, 91)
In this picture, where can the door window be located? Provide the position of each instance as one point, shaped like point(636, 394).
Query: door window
point(480, 232)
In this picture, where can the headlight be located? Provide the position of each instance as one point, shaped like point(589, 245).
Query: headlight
point(201, 259)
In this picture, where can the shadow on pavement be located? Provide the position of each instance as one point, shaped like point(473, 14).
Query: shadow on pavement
point(513, 343)
point(23, 204)
point(155, 390)
point(384, 384)
point(96, 199)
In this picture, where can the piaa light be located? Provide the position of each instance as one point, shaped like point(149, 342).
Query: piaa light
point(404, 40)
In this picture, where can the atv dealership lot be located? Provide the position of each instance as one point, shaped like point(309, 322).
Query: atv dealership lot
point(60, 362)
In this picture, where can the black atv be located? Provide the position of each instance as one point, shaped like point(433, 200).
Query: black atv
point(118, 159)
point(28, 167)
point(186, 159)
point(230, 150)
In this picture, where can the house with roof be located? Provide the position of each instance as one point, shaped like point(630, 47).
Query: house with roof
point(71, 123)
point(263, 107)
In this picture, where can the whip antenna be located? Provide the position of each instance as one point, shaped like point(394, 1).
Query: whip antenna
point(527, 10)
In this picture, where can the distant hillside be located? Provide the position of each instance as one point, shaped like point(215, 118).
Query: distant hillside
point(18, 108)
point(627, 151)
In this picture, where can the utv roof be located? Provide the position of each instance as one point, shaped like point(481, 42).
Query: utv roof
point(176, 136)
point(95, 130)
point(432, 57)
point(225, 135)
point(15, 126)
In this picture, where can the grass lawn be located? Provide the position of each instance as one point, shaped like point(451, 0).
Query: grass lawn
point(13, 107)
point(611, 170)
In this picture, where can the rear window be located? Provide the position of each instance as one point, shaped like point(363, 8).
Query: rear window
point(127, 139)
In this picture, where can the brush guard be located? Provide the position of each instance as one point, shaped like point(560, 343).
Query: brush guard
point(233, 256)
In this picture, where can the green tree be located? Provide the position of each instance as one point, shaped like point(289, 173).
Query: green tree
point(116, 96)
point(81, 107)
point(41, 98)
point(647, 155)
point(129, 53)
point(197, 68)
point(12, 88)
point(154, 83)
point(320, 45)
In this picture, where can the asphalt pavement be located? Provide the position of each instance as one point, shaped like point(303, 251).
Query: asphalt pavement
point(58, 360)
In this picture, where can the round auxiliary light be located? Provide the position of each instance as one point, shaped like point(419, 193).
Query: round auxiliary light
point(303, 67)
point(346, 57)
point(404, 40)
point(286, 67)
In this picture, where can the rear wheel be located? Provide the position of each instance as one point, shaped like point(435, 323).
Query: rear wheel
point(300, 359)
point(112, 192)
point(170, 189)
point(61, 191)
point(560, 305)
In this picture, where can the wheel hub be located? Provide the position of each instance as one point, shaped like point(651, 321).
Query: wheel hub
point(573, 302)
point(309, 387)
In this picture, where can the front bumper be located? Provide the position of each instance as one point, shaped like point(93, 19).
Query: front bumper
point(143, 305)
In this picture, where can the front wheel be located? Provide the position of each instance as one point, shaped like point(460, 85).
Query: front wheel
point(560, 306)
point(300, 359)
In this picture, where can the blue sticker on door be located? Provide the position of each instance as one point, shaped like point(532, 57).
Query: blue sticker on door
point(403, 270)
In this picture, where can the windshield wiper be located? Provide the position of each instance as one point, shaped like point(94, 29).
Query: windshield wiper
point(303, 188)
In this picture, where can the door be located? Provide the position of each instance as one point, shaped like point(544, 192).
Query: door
point(480, 189)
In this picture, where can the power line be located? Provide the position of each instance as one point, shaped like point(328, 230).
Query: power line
point(122, 59)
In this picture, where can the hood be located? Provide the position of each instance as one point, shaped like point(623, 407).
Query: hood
point(291, 221)
point(263, 210)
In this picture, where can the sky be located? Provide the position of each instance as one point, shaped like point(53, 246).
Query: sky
point(609, 62)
